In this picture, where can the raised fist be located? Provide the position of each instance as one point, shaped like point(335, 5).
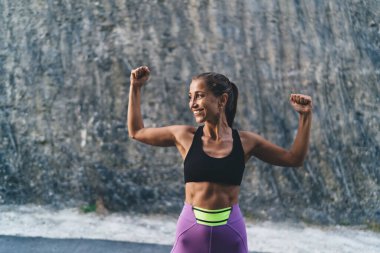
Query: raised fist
point(139, 76)
point(301, 103)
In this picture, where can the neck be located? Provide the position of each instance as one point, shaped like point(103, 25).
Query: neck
point(216, 130)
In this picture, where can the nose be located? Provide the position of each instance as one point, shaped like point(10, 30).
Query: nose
point(192, 103)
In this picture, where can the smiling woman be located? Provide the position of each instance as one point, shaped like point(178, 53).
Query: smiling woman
point(220, 87)
point(214, 159)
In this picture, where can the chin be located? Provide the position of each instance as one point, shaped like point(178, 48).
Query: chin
point(199, 120)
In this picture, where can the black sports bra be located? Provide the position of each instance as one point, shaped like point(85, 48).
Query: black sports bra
point(200, 167)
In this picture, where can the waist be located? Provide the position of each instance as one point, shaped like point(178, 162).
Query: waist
point(211, 195)
point(213, 217)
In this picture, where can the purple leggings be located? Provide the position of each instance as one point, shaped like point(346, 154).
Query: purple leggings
point(192, 237)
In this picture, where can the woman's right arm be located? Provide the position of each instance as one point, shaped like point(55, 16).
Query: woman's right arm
point(160, 136)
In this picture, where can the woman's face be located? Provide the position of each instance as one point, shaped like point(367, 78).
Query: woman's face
point(203, 104)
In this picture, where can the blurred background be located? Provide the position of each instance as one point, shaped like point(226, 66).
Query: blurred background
point(64, 83)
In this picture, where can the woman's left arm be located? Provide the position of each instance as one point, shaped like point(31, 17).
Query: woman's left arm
point(303, 105)
point(268, 152)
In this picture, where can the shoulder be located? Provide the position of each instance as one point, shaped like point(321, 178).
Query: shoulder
point(183, 131)
point(251, 137)
point(183, 135)
point(247, 135)
point(249, 140)
point(183, 128)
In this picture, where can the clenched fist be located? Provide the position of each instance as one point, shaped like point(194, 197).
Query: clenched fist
point(139, 76)
point(301, 103)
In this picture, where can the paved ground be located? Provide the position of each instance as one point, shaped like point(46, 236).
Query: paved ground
point(15, 244)
point(25, 229)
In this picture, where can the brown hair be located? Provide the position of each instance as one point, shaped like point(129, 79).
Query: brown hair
point(219, 84)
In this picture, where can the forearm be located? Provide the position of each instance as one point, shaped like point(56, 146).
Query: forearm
point(301, 143)
point(135, 121)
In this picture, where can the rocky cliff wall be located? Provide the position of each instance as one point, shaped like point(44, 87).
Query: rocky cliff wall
point(64, 82)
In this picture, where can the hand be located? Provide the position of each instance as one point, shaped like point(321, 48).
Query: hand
point(139, 76)
point(301, 103)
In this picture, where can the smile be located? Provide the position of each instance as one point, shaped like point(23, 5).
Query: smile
point(197, 112)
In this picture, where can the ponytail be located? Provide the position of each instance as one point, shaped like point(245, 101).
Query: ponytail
point(232, 104)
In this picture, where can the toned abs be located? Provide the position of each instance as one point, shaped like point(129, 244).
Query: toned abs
point(211, 195)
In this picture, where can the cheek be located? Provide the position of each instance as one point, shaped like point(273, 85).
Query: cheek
point(213, 107)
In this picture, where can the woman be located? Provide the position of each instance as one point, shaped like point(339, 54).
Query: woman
point(214, 159)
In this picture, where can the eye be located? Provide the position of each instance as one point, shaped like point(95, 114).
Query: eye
point(196, 96)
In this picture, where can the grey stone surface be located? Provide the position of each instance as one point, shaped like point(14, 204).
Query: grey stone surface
point(64, 73)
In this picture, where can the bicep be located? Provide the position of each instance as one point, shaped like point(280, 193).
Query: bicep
point(160, 136)
point(269, 152)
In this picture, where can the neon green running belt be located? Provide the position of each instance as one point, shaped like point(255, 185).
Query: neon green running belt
point(212, 217)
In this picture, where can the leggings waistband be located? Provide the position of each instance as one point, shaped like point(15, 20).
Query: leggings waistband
point(214, 217)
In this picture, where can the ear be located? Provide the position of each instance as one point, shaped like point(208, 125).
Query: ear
point(223, 100)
